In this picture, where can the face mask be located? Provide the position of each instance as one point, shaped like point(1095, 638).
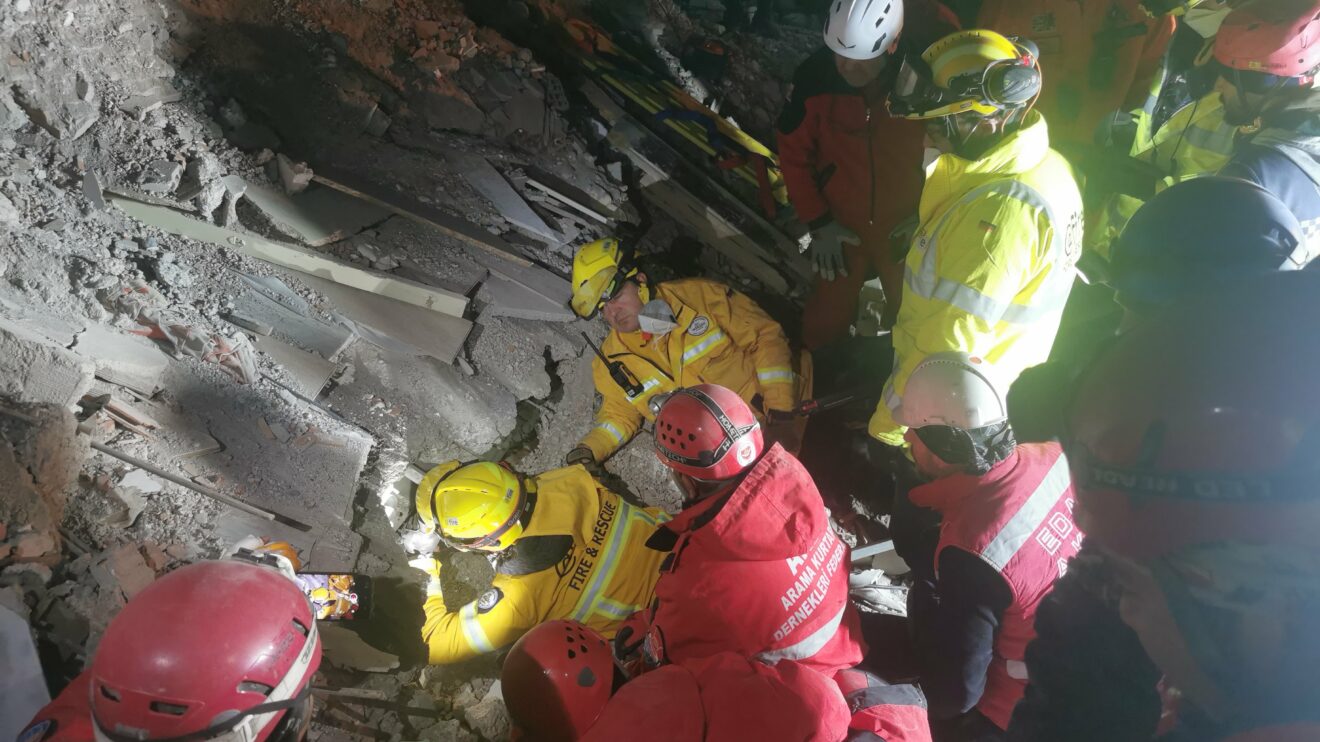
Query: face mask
point(1205, 21)
point(656, 317)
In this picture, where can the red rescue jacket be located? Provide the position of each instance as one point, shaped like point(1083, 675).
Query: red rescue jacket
point(757, 571)
point(840, 152)
point(68, 718)
point(724, 698)
point(1018, 519)
point(880, 711)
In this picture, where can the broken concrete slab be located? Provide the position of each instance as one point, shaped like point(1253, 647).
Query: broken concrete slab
point(317, 216)
point(22, 684)
point(285, 323)
point(342, 647)
point(296, 258)
point(130, 570)
point(91, 188)
point(294, 176)
point(160, 176)
point(505, 298)
point(512, 357)
point(488, 181)
point(381, 320)
point(308, 372)
point(35, 370)
point(121, 358)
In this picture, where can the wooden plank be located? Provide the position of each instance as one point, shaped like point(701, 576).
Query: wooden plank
point(410, 208)
point(577, 201)
point(297, 258)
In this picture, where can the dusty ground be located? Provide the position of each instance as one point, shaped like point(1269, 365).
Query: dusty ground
point(162, 101)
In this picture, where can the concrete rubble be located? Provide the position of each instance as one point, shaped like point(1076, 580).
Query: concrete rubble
point(288, 288)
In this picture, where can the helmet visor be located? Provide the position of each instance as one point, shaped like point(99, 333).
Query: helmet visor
point(590, 295)
point(916, 96)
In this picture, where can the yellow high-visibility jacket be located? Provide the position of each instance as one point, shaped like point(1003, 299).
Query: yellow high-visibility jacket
point(606, 576)
point(991, 264)
point(1195, 141)
point(722, 338)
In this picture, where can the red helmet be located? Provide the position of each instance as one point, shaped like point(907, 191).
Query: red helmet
point(1278, 37)
point(707, 432)
point(1202, 424)
point(557, 679)
point(225, 649)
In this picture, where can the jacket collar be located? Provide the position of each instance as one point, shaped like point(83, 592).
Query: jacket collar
point(948, 493)
point(1019, 152)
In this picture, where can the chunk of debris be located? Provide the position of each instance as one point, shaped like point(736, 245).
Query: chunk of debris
point(160, 176)
point(294, 176)
point(33, 545)
point(37, 371)
point(344, 648)
point(91, 188)
point(9, 216)
point(130, 570)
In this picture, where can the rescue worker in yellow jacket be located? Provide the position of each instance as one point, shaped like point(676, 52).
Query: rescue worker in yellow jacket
point(993, 260)
point(563, 547)
point(679, 334)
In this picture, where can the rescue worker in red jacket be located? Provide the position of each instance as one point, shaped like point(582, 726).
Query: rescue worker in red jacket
point(853, 173)
point(1006, 536)
point(560, 682)
point(1191, 440)
point(221, 650)
point(753, 565)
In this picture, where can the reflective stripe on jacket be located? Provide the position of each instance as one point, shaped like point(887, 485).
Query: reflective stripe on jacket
point(607, 575)
point(991, 265)
point(724, 698)
point(722, 337)
point(1195, 141)
point(759, 572)
point(1018, 519)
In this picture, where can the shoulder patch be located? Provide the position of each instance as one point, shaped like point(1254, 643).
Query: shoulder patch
point(39, 731)
point(489, 599)
point(699, 326)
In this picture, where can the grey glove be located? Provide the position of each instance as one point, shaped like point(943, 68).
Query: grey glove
point(826, 245)
point(583, 455)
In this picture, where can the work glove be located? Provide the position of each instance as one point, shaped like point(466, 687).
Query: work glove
point(431, 567)
point(583, 455)
point(783, 427)
point(900, 237)
point(826, 244)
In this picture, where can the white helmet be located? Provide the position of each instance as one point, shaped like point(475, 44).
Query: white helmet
point(953, 389)
point(863, 29)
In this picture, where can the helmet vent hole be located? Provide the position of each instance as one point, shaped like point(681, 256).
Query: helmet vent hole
point(170, 709)
point(300, 627)
point(110, 694)
point(572, 655)
point(252, 686)
point(691, 437)
point(583, 649)
point(880, 42)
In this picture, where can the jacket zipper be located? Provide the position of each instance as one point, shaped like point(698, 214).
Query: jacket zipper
point(870, 164)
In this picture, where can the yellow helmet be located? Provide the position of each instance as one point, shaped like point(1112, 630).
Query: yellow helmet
point(978, 70)
point(474, 507)
point(599, 269)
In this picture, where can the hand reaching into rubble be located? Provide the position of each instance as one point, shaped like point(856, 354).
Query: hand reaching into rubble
point(431, 566)
point(583, 455)
point(825, 243)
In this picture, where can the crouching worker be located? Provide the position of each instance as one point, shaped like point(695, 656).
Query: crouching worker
point(1006, 536)
point(214, 650)
point(561, 683)
point(752, 565)
point(676, 334)
point(563, 546)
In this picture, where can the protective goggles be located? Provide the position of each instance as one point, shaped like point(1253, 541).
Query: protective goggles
point(916, 96)
point(291, 694)
point(594, 293)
